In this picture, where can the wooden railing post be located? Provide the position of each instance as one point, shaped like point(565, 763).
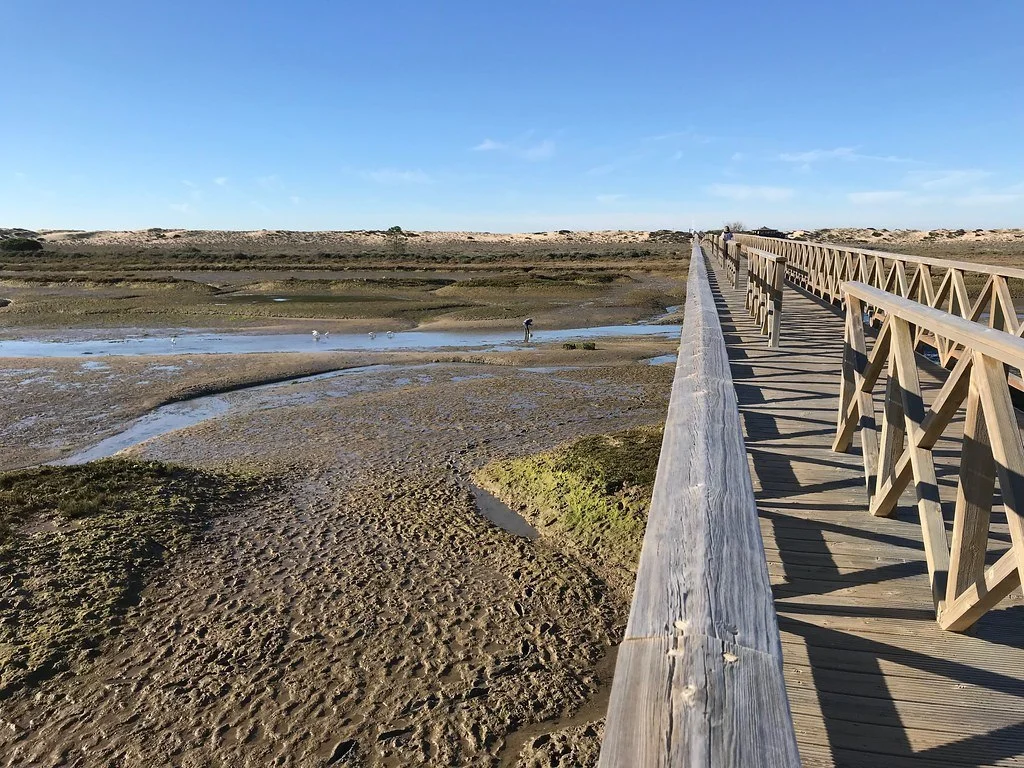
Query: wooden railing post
point(963, 588)
point(765, 280)
point(698, 680)
point(822, 269)
point(734, 260)
point(778, 270)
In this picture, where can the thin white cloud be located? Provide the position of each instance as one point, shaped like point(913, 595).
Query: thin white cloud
point(220, 181)
point(816, 155)
point(677, 155)
point(839, 153)
point(988, 198)
point(607, 199)
point(296, 200)
point(523, 147)
point(687, 135)
point(540, 151)
point(601, 170)
point(875, 197)
point(948, 180)
point(741, 192)
point(181, 207)
point(396, 176)
point(736, 157)
point(269, 182)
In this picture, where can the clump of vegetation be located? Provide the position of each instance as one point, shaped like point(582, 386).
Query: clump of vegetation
point(77, 545)
point(396, 240)
point(20, 245)
point(589, 345)
point(568, 345)
point(591, 495)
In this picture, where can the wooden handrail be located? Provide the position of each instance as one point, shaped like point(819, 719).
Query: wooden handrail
point(698, 680)
point(767, 243)
point(998, 344)
point(765, 272)
point(963, 588)
point(822, 269)
point(728, 254)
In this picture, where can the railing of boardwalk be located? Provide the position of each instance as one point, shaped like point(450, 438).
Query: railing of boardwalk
point(698, 680)
point(963, 588)
point(963, 315)
point(976, 292)
point(728, 254)
point(765, 275)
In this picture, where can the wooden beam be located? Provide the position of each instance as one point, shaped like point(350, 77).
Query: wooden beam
point(999, 345)
point(974, 496)
point(933, 528)
point(698, 679)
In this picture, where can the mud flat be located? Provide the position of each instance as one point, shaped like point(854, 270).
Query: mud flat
point(360, 610)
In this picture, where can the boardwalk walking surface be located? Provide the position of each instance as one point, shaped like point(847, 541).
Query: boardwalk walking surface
point(872, 680)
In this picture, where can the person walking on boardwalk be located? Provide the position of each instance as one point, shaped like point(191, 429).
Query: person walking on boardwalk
point(726, 234)
point(527, 330)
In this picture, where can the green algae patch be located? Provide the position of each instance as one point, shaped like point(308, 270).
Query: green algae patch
point(591, 495)
point(77, 545)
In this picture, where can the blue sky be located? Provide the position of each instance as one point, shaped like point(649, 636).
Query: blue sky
point(513, 116)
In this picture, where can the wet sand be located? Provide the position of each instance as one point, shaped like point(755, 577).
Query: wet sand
point(365, 613)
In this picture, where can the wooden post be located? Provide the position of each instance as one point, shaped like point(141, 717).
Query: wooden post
point(775, 324)
point(963, 588)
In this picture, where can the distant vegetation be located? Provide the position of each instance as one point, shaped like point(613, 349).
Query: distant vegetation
point(20, 245)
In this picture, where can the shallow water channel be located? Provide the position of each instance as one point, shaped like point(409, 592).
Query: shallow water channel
point(171, 342)
point(174, 416)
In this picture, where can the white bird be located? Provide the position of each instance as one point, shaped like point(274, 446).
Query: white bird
point(372, 335)
point(174, 340)
point(327, 334)
point(316, 335)
point(391, 334)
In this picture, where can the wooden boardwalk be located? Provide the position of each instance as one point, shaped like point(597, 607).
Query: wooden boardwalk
point(872, 680)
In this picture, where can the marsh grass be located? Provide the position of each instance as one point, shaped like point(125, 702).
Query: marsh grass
point(103, 300)
point(77, 545)
point(593, 495)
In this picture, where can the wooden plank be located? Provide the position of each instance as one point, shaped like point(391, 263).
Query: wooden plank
point(964, 266)
point(893, 433)
point(695, 700)
point(701, 659)
point(979, 596)
point(975, 494)
point(990, 342)
point(1007, 447)
point(926, 485)
point(852, 591)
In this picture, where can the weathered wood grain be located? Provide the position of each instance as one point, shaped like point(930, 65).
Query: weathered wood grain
point(873, 679)
point(698, 680)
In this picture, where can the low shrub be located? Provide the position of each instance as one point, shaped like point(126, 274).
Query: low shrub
point(20, 245)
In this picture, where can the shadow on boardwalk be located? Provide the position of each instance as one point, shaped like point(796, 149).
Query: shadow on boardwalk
point(872, 680)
